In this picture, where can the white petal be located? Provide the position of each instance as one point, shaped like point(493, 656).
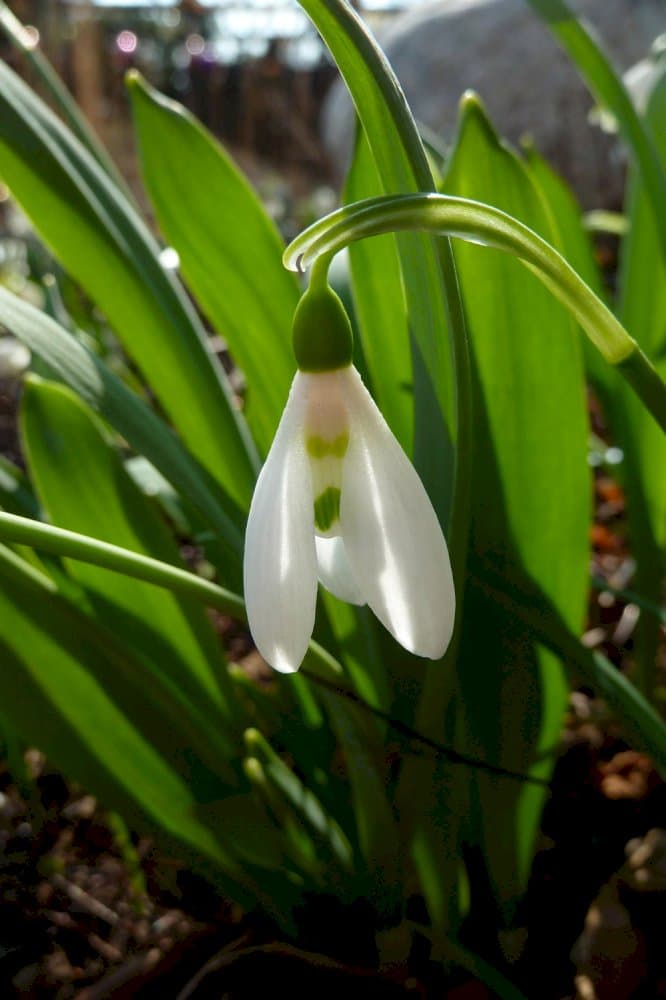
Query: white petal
point(393, 540)
point(280, 570)
point(335, 572)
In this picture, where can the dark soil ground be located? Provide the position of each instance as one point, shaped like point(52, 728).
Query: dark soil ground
point(88, 912)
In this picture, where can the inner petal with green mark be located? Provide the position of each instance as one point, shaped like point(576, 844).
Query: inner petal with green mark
point(327, 510)
point(326, 443)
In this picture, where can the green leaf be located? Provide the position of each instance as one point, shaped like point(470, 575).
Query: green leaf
point(605, 83)
point(17, 35)
point(530, 495)
point(574, 242)
point(98, 237)
point(329, 842)
point(522, 599)
point(380, 307)
point(642, 309)
point(72, 364)
point(229, 249)
point(58, 685)
point(84, 487)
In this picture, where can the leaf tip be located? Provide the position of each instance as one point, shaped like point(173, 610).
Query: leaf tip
point(472, 110)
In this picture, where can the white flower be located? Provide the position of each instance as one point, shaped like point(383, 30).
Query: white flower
point(339, 500)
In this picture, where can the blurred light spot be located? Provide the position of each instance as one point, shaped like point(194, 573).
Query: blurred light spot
point(626, 624)
point(30, 36)
point(180, 81)
point(195, 45)
point(4, 193)
point(303, 53)
point(255, 48)
point(614, 456)
point(227, 50)
point(179, 57)
point(169, 259)
point(127, 41)
point(14, 357)
point(171, 18)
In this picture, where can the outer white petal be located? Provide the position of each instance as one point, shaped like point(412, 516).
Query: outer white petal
point(280, 570)
point(393, 540)
point(335, 572)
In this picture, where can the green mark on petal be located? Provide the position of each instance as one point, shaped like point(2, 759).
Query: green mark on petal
point(327, 508)
point(319, 447)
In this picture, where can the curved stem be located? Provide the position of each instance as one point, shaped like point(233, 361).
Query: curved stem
point(479, 223)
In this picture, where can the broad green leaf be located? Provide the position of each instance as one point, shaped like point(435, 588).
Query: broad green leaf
point(84, 487)
point(69, 362)
point(521, 598)
point(380, 308)
point(642, 309)
point(606, 84)
point(229, 249)
point(17, 35)
point(98, 237)
point(58, 686)
point(530, 495)
point(574, 242)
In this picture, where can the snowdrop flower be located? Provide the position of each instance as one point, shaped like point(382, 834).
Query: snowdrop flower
point(339, 501)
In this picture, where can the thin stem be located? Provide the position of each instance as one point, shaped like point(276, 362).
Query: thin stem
point(439, 749)
point(71, 545)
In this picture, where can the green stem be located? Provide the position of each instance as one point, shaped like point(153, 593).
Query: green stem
point(484, 224)
point(646, 382)
point(71, 545)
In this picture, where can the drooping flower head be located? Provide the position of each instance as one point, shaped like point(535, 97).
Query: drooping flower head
point(339, 501)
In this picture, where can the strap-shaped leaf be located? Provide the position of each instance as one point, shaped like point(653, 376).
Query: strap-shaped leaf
point(380, 307)
point(597, 70)
point(58, 668)
point(84, 486)
point(102, 242)
point(642, 309)
point(71, 363)
point(229, 249)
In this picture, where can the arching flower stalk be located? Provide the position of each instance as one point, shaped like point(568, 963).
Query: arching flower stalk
point(339, 501)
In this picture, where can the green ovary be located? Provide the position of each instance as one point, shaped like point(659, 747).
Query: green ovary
point(327, 508)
